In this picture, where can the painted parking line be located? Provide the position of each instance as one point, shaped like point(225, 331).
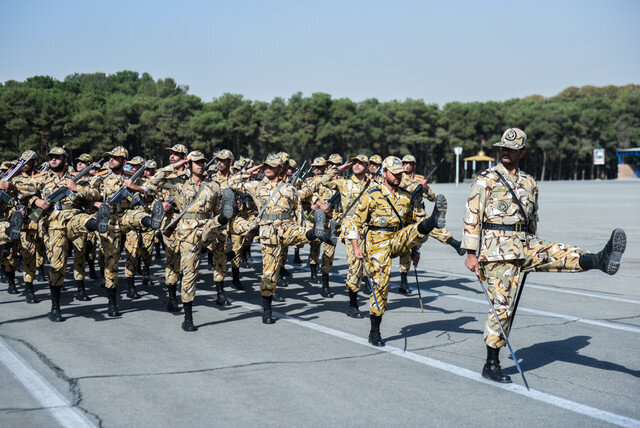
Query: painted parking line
point(54, 402)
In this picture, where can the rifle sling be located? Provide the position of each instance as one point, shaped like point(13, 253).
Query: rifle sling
point(189, 205)
point(515, 198)
point(394, 210)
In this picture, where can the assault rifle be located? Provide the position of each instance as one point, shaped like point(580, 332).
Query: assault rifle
point(4, 196)
point(296, 175)
point(247, 162)
point(334, 200)
point(44, 168)
point(63, 192)
point(419, 192)
point(123, 191)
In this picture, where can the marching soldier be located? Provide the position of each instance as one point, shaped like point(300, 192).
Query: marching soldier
point(385, 218)
point(410, 181)
point(319, 166)
point(500, 226)
point(375, 169)
point(123, 219)
point(64, 220)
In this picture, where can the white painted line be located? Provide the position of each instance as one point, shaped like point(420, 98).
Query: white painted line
point(460, 371)
point(42, 391)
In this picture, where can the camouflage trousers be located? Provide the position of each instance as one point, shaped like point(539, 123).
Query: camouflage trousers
point(440, 234)
point(172, 260)
point(9, 254)
point(28, 240)
point(503, 280)
point(138, 246)
point(4, 238)
point(381, 247)
point(354, 273)
point(57, 242)
point(189, 249)
point(288, 235)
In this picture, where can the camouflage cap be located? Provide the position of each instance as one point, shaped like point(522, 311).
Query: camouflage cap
point(137, 160)
point(319, 161)
point(119, 151)
point(85, 157)
point(237, 164)
point(58, 151)
point(360, 158)
point(7, 165)
point(105, 165)
point(393, 164)
point(293, 164)
point(178, 148)
point(408, 158)
point(27, 154)
point(224, 154)
point(273, 161)
point(513, 138)
point(152, 165)
point(335, 158)
point(375, 159)
point(284, 156)
point(195, 156)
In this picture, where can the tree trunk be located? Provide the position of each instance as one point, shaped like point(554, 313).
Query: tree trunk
point(544, 164)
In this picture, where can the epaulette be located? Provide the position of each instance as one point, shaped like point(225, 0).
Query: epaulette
point(373, 190)
point(106, 171)
point(419, 177)
point(39, 175)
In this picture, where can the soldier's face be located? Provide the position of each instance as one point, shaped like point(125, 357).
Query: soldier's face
point(30, 166)
point(409, 166)
point(149, 172)
point(373, 168)
point(133, 168)
point(56, 162)
point(393, 179)
point(271, 172)
point(510, 156)
point(81, 165)
point(359, 167)
point(175, 157)
point(223, 164)
point(319, 170)
point(116, 162)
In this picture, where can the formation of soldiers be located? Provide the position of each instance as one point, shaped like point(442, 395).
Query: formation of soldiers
point(376, 207)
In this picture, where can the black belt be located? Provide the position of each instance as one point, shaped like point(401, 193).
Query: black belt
point(518, 227)
point(385, 228)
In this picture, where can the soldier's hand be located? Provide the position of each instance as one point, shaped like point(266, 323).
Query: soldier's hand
point(129, 184)
point(181, 162)
point(4, 185)
point(167, 207)
point(471, 262)
point(423, 182)
point(41, 203)
point(69, 184)
point(324, 207)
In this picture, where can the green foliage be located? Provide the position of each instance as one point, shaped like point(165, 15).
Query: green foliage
point(94, 112)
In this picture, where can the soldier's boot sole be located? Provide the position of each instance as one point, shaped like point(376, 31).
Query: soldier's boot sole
point(319, 220)
point(228, 203)
point(157, 214)
point(441, 207)
point(613, 251)
point(103, 218)
point(15, 225)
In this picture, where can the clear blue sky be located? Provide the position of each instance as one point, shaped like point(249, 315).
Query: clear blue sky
point(436, 51)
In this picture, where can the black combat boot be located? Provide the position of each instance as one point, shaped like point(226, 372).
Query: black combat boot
point(103, 283)
point(353, 310)
point(228, 209)
point(15, 226)
point(325, 291)
point(30, 297)
point(210, 259)
point(277, 297)
point(374, 335)
point(187, 324)
point(366, 286)
point(132, 292)
point(314, 272)
point(284, 272)
point(492, 369)
point(112, 308)
point(146, 277)
point(91, 225)
point(172, 304)
point(55, 315)
point(456, 246)
point(607, 259)
point(221, 299)
point(267, 314)
point(296, 256)
point(235, 278)
point(11, 279)
point(436, 220)
point(92, 269)
point(247, 254)
point(158, 251)
point(81, 294)
point(404, 284)
point(104, 214)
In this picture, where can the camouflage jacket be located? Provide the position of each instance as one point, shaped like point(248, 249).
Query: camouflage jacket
point(111, 183)
point(491, 202)
point(374, 210)
point(281, 211)
point(349, 189)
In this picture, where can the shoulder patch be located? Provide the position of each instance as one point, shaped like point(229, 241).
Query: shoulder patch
point(102, 173)
point(38, 175)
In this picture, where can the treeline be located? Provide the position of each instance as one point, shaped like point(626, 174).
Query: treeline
point(93, 112)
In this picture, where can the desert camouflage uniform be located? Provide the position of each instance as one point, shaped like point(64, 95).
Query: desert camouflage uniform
point(279, 226)
point(503, 255)
point(320, 191)
point(386, 237)
point(64, 222)
point(138, 243)
point(410, 184)
point(29, 234)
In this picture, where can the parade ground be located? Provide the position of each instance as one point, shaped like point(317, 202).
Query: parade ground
point(576, 336)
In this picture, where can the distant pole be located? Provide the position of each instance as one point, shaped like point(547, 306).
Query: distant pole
point(458, 152)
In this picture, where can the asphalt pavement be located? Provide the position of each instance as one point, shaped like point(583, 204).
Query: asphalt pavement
point(576, 337)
